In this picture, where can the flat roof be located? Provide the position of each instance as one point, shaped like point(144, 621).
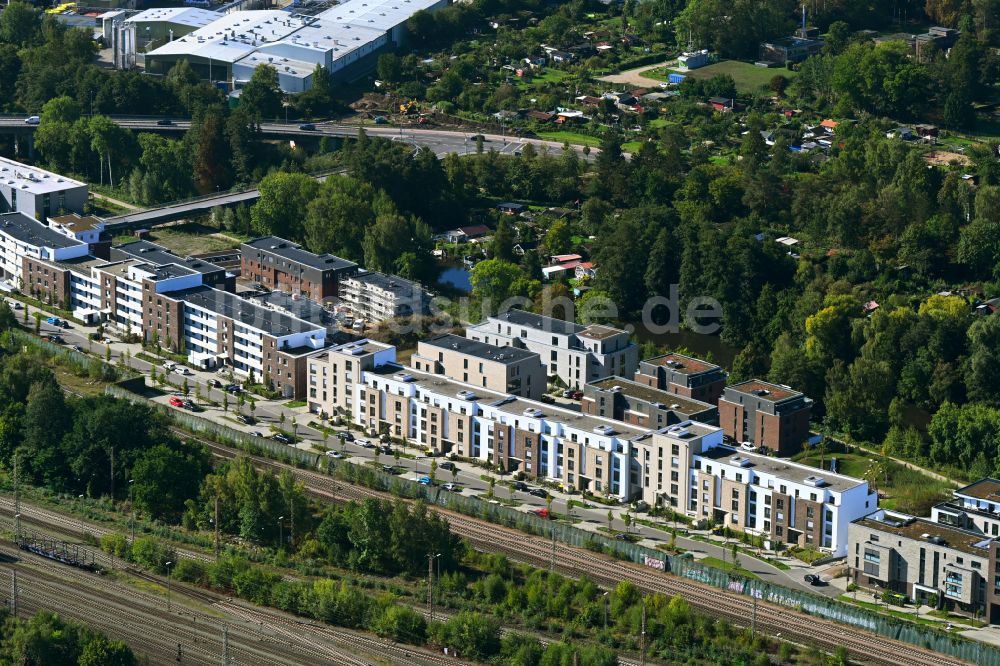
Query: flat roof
point(189, 16)
point(78, 223)
point(29, 230)
point(984, 489)
point(572, 418)
point(652, 395)
point(164, 272)
point(964, 541)
point(391, 283)
point(233, 36)
point(785, 469)
point(774, 392)
point(300, 307)
point(244, 311)
point(481, 350)
point(382, 15)
point(598, 332)
point(152, 253)
point(284, 66)
point(32, 179)
point(368, 346)
point(539, 322)
point(685, 365)
point(294, 252)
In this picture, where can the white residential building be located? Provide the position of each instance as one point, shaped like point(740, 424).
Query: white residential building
point(377, 297)
point(574, 353)
point(23, 236)
point(687, 467)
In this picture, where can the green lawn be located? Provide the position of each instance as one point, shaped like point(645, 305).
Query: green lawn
point(748, 77)
point(571, 137)
point(191, 238)
point(727, 566)
point(632, 146)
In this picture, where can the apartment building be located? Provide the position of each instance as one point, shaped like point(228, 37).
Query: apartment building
point(282, 265)
point(23, 237)
point(335, 373)
point(503, 369)
point(157, 255)
point(976, 508)
point(688, 467)
point(38, 193)
point(925, 560)
point(376, 297)
point(625, 400)
point(574, 353)
point(769, 416)
point(684, 376)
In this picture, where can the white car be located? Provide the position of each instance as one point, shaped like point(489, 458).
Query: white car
point(32, 120)
point(182, 370)
point(748, 446)
point(337, 455)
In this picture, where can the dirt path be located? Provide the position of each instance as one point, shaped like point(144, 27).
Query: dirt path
point(634, 76)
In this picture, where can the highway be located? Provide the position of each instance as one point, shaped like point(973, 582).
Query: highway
point(442, 142)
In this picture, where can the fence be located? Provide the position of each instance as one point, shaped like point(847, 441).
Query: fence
point(829, 609)
point(80, 361)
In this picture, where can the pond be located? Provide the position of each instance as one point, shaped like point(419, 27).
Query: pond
point(457, 277)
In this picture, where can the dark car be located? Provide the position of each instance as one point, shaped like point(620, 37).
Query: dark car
point(214, 383)
point(244, 419)
point(547, 399)
point(389, 469)
point(164, 122)
point(190, 406)
point(621, 537)
point(477, 137)
point(446, 465)
point(233, 388)
point(386, 449)
point(348, 437)
point(568, 393)
point(813, 579)
point(522, 486)
point(281, 437)
point(307, 127)
point(539, 492)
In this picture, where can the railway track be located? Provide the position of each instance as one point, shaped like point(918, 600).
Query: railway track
point(192, 632)
point(737, 609)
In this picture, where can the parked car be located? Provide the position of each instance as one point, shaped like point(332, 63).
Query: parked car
point(539, 492)
point(307, 127)
point(389, 469)
point(348, 436)
point(447, 465)
point(183, 370)
point(165, 122)
point(281, 437)
point(364, 443)
point(244, 419)
point(233, 388)
point(214, 383)
point(176, 401)
point(169, 365)
point(336, 455)
point(78, 348)
point(541, 513)
point(32, 120)
point(54, 321)
point(257, 433)
point(748, 446)
point(381, 120)
point(813, 579)
point(191, 406)
point(547, 399)
point(385, 449)
point(18, 306)
point(578, 395)
point(621, 537)
point(521, 486)
point(424, 480)
point(451, 487)
point(568, 393)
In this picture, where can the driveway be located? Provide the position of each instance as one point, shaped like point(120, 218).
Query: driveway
point(634, 77)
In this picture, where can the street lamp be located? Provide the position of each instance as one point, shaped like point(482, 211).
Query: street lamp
point(281, 531)
point(606, 602)
point(80, 497)
point(167, 565)
point(131, 504)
